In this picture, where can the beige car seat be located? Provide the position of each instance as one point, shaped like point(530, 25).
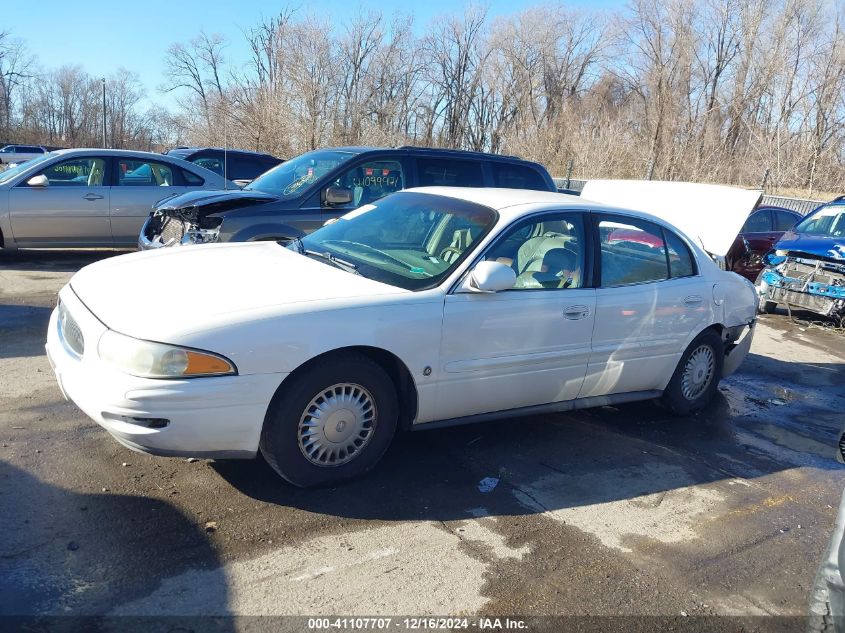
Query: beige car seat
point(547, 262)
point(95, 177)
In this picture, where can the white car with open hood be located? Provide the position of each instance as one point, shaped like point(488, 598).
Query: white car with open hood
point(430, 307)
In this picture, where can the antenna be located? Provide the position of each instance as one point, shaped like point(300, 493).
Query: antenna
point(225, 150)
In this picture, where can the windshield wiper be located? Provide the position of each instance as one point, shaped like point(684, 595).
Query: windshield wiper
point(336, 261)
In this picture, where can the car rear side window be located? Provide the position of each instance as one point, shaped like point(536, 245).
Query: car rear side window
point(759, 222)
point(517, 177)
point(632, 251)
point(140, 173)
point(209, 162)
point(784, 220)
point(441, 172)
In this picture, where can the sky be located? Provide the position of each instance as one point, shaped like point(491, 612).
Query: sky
point(102, 38)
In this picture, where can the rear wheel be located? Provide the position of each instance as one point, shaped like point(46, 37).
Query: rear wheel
point(331, 423)
point(764, 306)
point(697, 375)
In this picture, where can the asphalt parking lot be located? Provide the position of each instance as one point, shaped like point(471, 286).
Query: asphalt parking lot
point(602, 512)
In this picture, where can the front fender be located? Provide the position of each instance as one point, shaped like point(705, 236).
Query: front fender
point(262, 231)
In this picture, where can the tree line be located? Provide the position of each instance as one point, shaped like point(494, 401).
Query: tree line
point(703, 90)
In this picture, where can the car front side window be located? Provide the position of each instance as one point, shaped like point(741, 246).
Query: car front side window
point(370, 181)
point(632, 251)
point(545, 253)
point(76, 172)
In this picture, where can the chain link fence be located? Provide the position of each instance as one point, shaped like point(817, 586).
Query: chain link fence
point(799, 205)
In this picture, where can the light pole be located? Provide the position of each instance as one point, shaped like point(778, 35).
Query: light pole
point(104, 112)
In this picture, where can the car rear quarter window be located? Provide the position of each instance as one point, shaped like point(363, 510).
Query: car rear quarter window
point(680, 258)
point(758, 222)
point(441, 172)
point(632, 251)
point(511, 176)
point(784, 220)
point(191, 179)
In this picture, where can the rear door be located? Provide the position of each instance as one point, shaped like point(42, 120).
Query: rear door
point(71, 210)
point(648, 301)
point(139, 184)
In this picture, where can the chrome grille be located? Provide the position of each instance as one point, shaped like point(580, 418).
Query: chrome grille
point(172, 230)
point(70, 333)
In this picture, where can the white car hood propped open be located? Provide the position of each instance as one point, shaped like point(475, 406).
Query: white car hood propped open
point(711, 214)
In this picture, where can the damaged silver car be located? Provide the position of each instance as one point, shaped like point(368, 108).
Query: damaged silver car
point(807, 268)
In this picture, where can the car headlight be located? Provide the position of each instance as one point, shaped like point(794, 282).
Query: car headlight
point(157, 360)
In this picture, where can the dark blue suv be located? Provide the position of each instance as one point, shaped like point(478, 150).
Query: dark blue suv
point(239, 165)
point(301, 194)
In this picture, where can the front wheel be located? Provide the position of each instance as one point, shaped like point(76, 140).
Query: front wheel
point(697, 375)
point(330, 423)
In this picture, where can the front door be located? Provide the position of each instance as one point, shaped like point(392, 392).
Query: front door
point(71, 209)
point(529, 345)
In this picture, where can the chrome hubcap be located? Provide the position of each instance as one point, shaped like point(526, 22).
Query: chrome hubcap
point(337, 424)
point(698, 372)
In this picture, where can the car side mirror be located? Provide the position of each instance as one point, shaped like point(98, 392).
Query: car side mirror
point(38, 181)
point(337, 195)
point(489, 277)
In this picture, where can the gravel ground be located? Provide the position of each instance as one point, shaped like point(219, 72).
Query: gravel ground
point(618, 511)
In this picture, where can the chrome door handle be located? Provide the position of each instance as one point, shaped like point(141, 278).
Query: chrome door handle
point(92, 196)
point(692, 300)
point(576, 312)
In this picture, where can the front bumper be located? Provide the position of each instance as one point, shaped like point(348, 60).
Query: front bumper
point(217, 417)
point(821, 292)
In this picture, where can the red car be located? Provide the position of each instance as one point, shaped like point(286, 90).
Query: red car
point(759, 234)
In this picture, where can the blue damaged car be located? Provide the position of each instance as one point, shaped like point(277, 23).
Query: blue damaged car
point(806, 269)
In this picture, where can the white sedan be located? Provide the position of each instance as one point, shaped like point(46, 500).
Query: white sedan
point(431, 307)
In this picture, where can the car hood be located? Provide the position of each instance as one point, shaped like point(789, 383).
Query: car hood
point(826, 246)
point(215, 201)
point(158, 295)
point(712, 215)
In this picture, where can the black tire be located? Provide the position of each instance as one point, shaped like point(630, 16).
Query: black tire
point(280, 442)
point(763, 306)
point(675, 396)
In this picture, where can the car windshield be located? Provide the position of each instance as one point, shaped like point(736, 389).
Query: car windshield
point(294, 176)
point(826, 221)
point(409, 240)
point(10, 173)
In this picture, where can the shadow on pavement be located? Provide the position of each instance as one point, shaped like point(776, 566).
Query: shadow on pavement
point(70, 554)
point(588, 457)
point(55, 260)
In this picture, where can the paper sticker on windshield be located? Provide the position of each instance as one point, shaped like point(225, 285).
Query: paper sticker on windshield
point(359, 211)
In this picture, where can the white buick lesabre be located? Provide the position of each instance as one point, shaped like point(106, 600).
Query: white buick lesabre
point(432, 306)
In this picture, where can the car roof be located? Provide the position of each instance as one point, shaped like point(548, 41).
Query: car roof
point(188, 151)
point(512, 203)
point(119, 153)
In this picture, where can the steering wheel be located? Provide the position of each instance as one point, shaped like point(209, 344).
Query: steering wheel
point(450, 249)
